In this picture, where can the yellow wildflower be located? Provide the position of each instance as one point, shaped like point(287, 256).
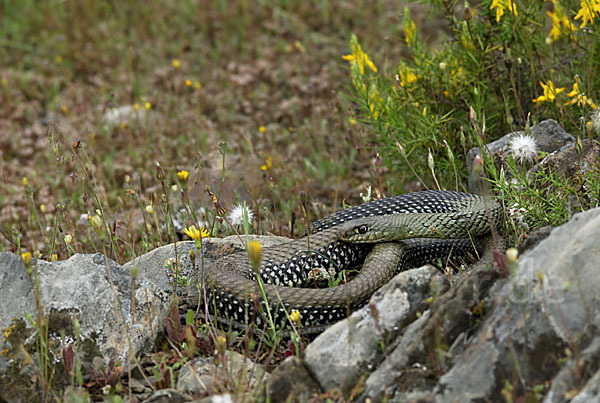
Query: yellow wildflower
point(262, 129)
point(560, 23)
point(587, 12)
point(410, 28)
point(183, 176)
point(96, 221)
point(147, 105)
point(68, 239)
point(26, 257)
point(198, 85)
point(359, 58)
point(299, 46)
point(136, 106)
point(407, 76)
point(43, 208)
point(176, 63)
point(500, 5)
point(550, 92)
point(53, 257)
point(149, 209)
point(196, 233)
point(295, 316)
point(188, 83)
point(254, 252)
point(24, 181)
point(221, 343)
point(579, 97)
point(352, 121)
point(268, 164)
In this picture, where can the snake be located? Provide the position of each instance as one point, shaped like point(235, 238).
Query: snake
point(378, 239)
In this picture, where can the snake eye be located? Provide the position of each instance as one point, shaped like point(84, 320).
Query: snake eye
point(362, 229)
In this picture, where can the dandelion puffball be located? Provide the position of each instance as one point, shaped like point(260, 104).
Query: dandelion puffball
point(523, 148)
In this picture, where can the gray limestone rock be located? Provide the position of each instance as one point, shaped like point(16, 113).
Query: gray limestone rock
point(209, 375)
point(549, 303)
point(291, 381)
point(353, 347)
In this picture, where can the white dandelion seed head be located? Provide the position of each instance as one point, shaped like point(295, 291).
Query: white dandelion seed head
point(596, 121)
point(236, 215)
point(523, 148)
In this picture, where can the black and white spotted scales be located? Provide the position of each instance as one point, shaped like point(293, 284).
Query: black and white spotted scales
point(295, 264)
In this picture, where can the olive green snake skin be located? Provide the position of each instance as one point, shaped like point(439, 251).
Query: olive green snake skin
point(382, 238)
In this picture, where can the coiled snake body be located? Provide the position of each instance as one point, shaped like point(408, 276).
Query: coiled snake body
point(385, 236)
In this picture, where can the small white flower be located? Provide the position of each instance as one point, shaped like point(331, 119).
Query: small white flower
point(83, 218)
point(236, 215)
point(523, 148)
point(366, 197)
point(596, 121)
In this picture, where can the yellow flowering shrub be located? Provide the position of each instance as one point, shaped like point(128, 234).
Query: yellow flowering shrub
point(507, 61)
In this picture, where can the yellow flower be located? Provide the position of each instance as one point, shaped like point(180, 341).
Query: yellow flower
point(53, 257)
point(512, 254)
point(352, 121)
point(410, 28)
point(96, 221)
point(149, 209)
point(183, 176)
point(500, 5)
point(359, 58)
point(198, 85)
point(26, 257)
point(221, 343)
point(43, 208)
point(579, 97)
point(268, 164)
point(24, 181)
point(587, 11)
point(188, 83)
point(254, 252)
point(68, 239)
point(295, 316)
point(136, 106)
point(407, 76)
point(299, 46)
point(196, 233)
point(550, 92)
point(176, 63)
point(262, 129)
point(560, 23)
point(147, 105)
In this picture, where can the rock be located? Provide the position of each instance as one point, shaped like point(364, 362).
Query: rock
point(91, 288)
point(353, 347)
point(290, 381)
point(567, 382)
point(549, 137)
point(207, 375)
point(536, 317)
point(414, 361)
point(123, 114)
point(591, 392)
point(168, 396)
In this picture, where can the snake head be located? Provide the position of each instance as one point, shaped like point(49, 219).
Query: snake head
point(364, 230)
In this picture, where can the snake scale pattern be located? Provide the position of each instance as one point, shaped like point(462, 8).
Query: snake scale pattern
point(381, 238)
